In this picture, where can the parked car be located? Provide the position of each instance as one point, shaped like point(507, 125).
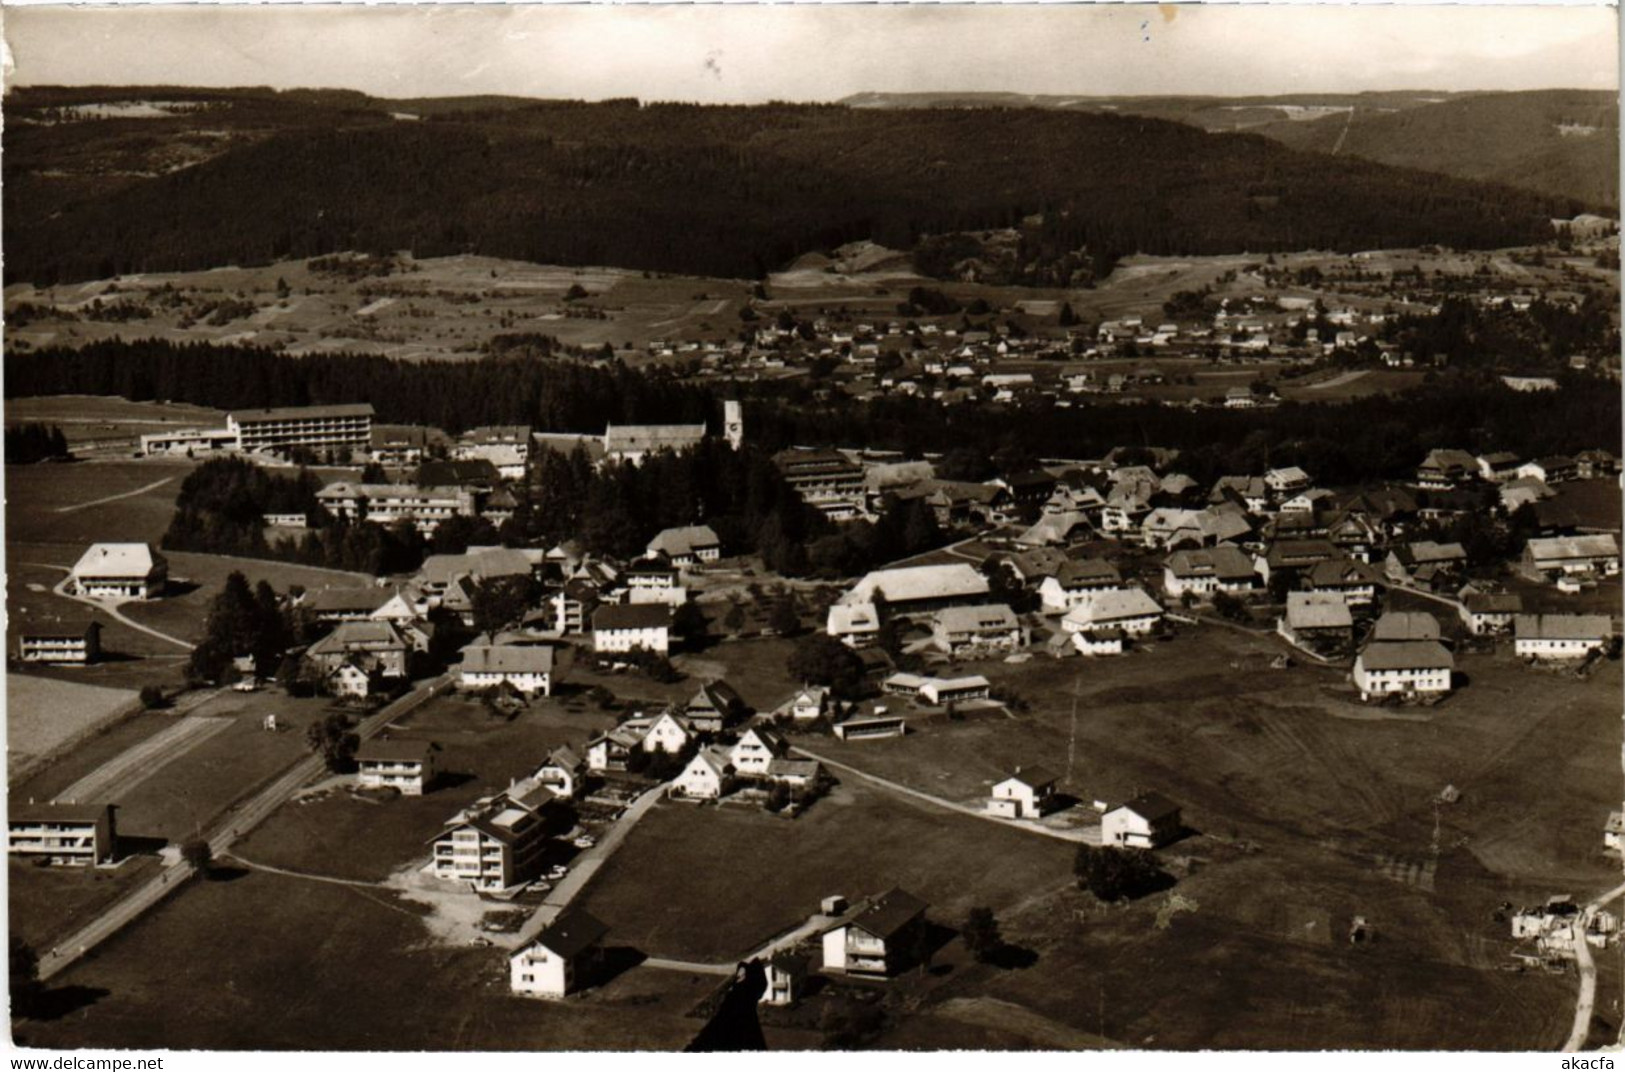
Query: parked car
point(585, 841)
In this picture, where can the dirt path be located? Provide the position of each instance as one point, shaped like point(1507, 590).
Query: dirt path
point(115, 498)
point(1085, 835)
point(1586, 1001)
point(1338, 381)
point(110, 608)
point(115, 778)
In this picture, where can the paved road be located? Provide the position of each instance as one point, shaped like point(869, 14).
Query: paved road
point(227, 829)
point(1084, 835)
point(115, 778)
point(586, 865)
point(1587, 998)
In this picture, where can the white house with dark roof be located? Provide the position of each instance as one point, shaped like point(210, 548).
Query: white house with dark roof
point(1316, 618)
point(1403, 667)
point(991, 627)
point(853, 624)
point(635, 442)
point(1074, 581)
point(565, 773)
point(1128, 609)
point(554, 962)
point(527, 668)
point(1225, 568)
point(1149, 821)
point(707, 777)
point(406, 766)
point(688, 545)
point(1026, 794)
point(756, 749)
point(632, 626)
point(119, 571)
point(919, 589)
point(876, 937)
point(1405, 625)
point(1559, 636)
point(1351, 580)
point(1487, 613)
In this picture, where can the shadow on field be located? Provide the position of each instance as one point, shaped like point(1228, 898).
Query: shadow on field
point(135, 845)
point(615, 961)
point(57, 1002)
point(225, 873)
point(451, 780)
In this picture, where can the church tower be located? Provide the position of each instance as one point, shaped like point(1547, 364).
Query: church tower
point(733, 423)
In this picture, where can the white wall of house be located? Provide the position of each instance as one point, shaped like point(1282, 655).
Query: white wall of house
point(655, 638)
point(1555, 649)
point(1384, 682)
point(528, 683)
point(536, 972)
point(1124, 828)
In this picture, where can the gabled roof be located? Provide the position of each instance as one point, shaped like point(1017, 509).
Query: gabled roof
point(1226, 562)
point(987, 616)
point(1317, 610)
point(393, 750)
point(792, 768)
point(638, 438)
point(683, 541)
point(1406, 625)
point(345, 599)
point(451, 473)
point(1036, 777)
point(564, 756)
point(1335, 572)
point(1422, 552)
point(716, 696)
point(1407, 655)
point(1113, 604)
point(364, 635)
point(1562, 626)
point(1149, 806)
point(1087, 573)
point(631, 616)
point(1493, 603)
point(572, 932)
point(1600, 545)
point(887, 915)
point(909, 583)
point(507, 659)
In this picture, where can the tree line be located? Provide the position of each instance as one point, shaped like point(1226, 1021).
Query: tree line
point(29, 443)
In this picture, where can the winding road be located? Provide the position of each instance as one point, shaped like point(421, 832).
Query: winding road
point(1587, 999)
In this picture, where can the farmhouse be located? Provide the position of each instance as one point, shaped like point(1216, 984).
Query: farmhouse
point(797, 775)
point(343, 427)
point(65, 835)
point(507, 447)
point(407, 766)
point(1128, 609)
point(497, 842)
point(1405, 625)
point(877, 937)
point(1317, 620)
point(1148, 821)
point(1490, 612)
point(527, 668)
point(556, 960)
point(1294, 556)
point(920, 589)
point(1444, 469)
point(1551, 470)
point(989, 628)
point(1559, 636)
point(119, 571)
point(1405, 667)
point(66, 641)
point(635, 442)
point(1074, 581)
point(1498, 466)
point(1286, 482)
point(1425, 562)
point(687, 546)
point(1026, 794)
point(329, 606)
point(653, 580)
point(1220, 569)
point(1352, 581)
point(374, 647)
point(1598, 553)
point(632, 627)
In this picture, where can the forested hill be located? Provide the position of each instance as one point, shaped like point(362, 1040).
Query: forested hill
point(1562, 142)
point(719, 191)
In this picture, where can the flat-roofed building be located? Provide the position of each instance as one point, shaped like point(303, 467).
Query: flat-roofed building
point(65, 835)
point(497, 842)
point(316, 427)
point(68, 641)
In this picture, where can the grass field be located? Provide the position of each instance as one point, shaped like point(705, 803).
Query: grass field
point(48, 903)
point(196, 579)
point(46, 503)
point(99, 421)
point(211, 969)
point(349, 837)
point(43, 715)
point(711, 883)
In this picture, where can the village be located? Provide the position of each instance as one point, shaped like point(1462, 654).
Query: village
point(638, 685)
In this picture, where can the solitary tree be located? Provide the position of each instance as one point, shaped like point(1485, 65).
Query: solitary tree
point(198, 854)
point(784, 620)
point(331, 737)
point(1113, 874)
point(734, 620)
point(981, 934)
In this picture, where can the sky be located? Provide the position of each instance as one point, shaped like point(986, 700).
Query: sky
point(739, 53)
